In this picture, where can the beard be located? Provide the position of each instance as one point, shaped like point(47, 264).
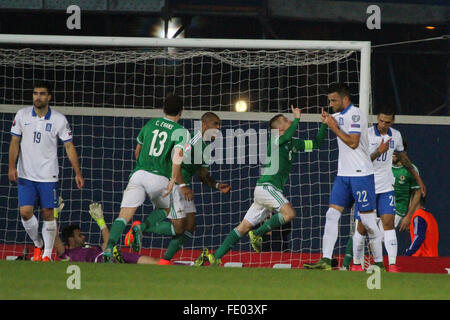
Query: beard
point(40, 104)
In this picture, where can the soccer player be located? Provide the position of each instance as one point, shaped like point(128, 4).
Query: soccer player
point(74, 247)
point(35, 132)
point(407, 193)
point(424, 233)
point(210, 123)
point(355, 178)
point(159, 154)
point(405, 189)
point(268, 194)
point(384, 141)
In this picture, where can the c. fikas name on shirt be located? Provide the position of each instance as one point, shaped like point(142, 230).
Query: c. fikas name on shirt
point(164, 124)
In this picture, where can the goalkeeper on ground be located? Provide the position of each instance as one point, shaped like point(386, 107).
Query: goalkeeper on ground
point(74, 247)
point(268, 195)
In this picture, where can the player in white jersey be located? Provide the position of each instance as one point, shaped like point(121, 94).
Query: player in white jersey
point(34, 140)
point(384, 141)
point(355, 178)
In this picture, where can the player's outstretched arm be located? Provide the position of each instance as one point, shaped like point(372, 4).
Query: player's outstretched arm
point(206, 179)
point(289, 133)
point(309, 145)
point(96, 212)
point(409, 166)
point(58, 244)
point(73, 158)
point(413, 203)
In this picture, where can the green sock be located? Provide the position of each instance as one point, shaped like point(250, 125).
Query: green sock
point(176, 244)
point(274, 222)
point(164, 228)
point(153, 218)
point(116, 231)
point(348, 253)
point(229, 243)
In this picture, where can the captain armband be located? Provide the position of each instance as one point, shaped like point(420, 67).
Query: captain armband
point(308, 145)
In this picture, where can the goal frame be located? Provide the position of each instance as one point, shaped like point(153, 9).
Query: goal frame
point(364, 47)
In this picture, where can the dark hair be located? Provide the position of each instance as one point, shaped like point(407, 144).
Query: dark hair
point(389, 111)
point(43, 84)
point(341, 88)
point(173, 104)
point(209, 116)
point(273, 120)
point(67, 232)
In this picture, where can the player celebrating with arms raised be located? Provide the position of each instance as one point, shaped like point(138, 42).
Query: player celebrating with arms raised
point(35, 132)
point(355, 178)
point(268, 195)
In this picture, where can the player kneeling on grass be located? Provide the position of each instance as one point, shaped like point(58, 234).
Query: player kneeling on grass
point(75, 248)
point(268, 195)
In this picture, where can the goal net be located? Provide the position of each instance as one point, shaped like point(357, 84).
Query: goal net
point(109, 92)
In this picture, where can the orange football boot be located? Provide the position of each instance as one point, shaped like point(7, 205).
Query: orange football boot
point(37, 255)
point(129, 236)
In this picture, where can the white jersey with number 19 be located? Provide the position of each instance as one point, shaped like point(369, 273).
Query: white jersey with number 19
point(38, 157)
point(353, 162)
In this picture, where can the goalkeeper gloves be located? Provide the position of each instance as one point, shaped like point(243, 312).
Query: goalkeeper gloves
point(56, 211)
point(96, 212)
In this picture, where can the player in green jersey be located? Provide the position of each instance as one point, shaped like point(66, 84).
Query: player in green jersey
point(194, 163)
point(407, 193)
point(268, 195)
point(159, 154)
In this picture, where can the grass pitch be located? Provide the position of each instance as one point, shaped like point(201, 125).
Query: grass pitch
point(38, 280)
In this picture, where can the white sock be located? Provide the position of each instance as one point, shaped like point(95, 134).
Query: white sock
point(358, 248)
point(390, 243)
point(32, 228)
point(331, 232)
point(49, 234)
point(369, 220)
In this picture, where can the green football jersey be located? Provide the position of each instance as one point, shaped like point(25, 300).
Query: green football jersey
point(287, 147)
point(193, 157)
point(158, 138)
point(403, 187)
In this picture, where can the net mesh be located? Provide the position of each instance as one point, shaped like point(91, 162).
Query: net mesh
point(208, 80)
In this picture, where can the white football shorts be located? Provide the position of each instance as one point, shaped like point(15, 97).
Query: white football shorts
point(144, 183)
point(267, 199)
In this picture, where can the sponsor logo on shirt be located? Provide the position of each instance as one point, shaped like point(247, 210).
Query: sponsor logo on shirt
point(355, 125)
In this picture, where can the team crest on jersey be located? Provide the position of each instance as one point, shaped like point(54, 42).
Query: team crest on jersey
point(402, 179)
point(391, 144)
point(341, 121)
point(355, 118)
point(48, 127)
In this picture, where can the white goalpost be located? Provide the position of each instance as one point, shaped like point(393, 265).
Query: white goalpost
point(108, 87)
